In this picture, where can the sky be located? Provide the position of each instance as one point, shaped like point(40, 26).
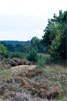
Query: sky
point(23, 19)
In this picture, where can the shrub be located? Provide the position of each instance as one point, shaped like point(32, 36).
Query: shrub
point(15, 54)
point(32, 56)
point(3, 50)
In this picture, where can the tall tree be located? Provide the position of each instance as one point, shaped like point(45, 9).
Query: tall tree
point(34, 43)
point(55, 36)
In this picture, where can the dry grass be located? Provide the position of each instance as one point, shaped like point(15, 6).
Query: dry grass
point(21, 67)
point(42, 81)
point(4, 73)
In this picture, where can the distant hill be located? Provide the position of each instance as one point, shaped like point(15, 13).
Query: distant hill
point(17, 46)
point(14, 42)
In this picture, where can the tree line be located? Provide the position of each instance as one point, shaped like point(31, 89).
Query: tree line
point(53, 41)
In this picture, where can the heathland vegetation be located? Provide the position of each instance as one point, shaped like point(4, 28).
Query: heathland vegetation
point(36, 69)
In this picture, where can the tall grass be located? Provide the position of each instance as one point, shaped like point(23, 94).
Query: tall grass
point(43, 60)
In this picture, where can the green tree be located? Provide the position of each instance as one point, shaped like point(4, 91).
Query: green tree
point(34, 43)
point(55, 36)
point(33, 56)
point(26, 47)
point(3, 50)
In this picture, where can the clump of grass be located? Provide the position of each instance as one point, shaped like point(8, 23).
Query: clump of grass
point(1, 66)
point(43, 60)
point(4, 73)
point(62, 96)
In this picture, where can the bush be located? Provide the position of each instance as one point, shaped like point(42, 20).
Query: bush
point(3, 51)
point(33, 56)
point(15, 54)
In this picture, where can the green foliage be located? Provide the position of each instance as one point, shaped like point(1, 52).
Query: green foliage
point(4, 74)
point(17, 46)
point(26, 47)
point(7, 54)
point(3, 50)
point(15, 54)
point(32, 56)
point(34, 43)
point(1, 66)
point(55, 35)
point(42, 60)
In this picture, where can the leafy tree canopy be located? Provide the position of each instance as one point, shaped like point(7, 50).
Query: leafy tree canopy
point(55, 36)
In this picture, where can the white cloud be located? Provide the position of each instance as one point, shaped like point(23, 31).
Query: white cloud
point(23, 19)
point(20, 35)
point(38, 33)
point(36, 7)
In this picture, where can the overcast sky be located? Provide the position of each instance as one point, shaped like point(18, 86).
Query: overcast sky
point(23, 19)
